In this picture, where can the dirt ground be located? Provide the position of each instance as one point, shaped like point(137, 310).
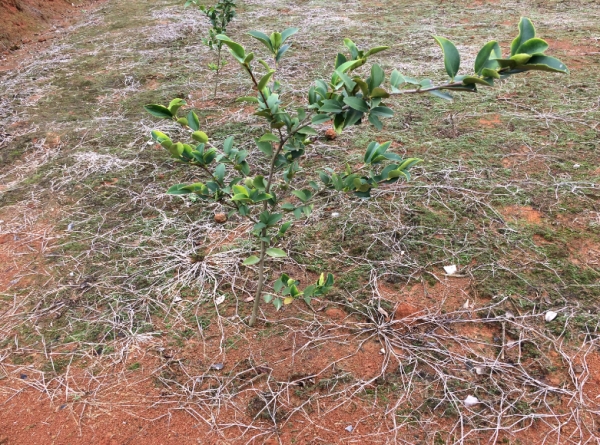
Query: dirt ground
point(28, 23)
point(393, 371)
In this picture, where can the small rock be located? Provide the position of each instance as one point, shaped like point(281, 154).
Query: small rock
point(550, 315)
point(349, 428)
point(578, 369)
point(217, 366)
point(42, 39)
point(450, 270)
point(220, 218)
point(471, 401)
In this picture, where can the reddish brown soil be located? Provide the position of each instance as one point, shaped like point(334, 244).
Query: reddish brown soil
point(31, 23)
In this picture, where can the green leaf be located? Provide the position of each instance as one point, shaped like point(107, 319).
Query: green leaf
point(265, 79)
point(159, 136)
point(377, 77)
point(250, 99)
point(278, 303)
point(263, 38)
point(200, 136)
point(375, 121)
point(441, 95)
point(281, 52)
point(382, 111)
point(220, 172)
point(349, 84)
point(251, 260)
point(526, 32)
point(284, 227)
point(520, 59)
point(330, 106)
point(276, 253)
point(268, 298)
point(533, 46)
point(376, 50)
point(236, 49)
point(307, 131)
point(487, 72)
point(320, 119)
point(265, 147)
point(451, 56)
point(175, 105)
point(356, 103)
point(159, 111)
point(470, 80)
point(396, 79)
point(193, 121)
point(489, 49)
point(352, 48)
point(268, 137)
point(545, 63)
point(379, 92)
point(228, 144)
point(287, 33)
point(178, 189)
point(349, 65)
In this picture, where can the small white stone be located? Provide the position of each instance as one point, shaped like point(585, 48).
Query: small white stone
point(550, 315)
point(220, 299)
point(471, 401)
point(450, 269)
point(576, 166)
point(335, 215)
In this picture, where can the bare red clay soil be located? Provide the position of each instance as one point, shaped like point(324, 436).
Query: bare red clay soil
point(27, 23)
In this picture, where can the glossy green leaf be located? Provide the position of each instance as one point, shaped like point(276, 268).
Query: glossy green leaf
point(356, 103)
point(330, 106)
point(376, 50)
point(268, 298)
point(379, 92)
point(441, 94)
point(287, 33)
point(489, 50)
point(486, 72)
point(262, 37)
point(451, 56)
point(545, 63)
point(175, 105)
point(265, 79)
point(236, 49)
point(200, 136)
point(278, 303)
point(382, 111)
point(526, 32)
point(159, 111)
point(193, 120)
point(320, 119)
point(377, 77)
point(520, 59)
point(352, 48)
point(276, 253)
point(470, 80)
point(250, 99)
point(533, 46)
point(251, 260)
